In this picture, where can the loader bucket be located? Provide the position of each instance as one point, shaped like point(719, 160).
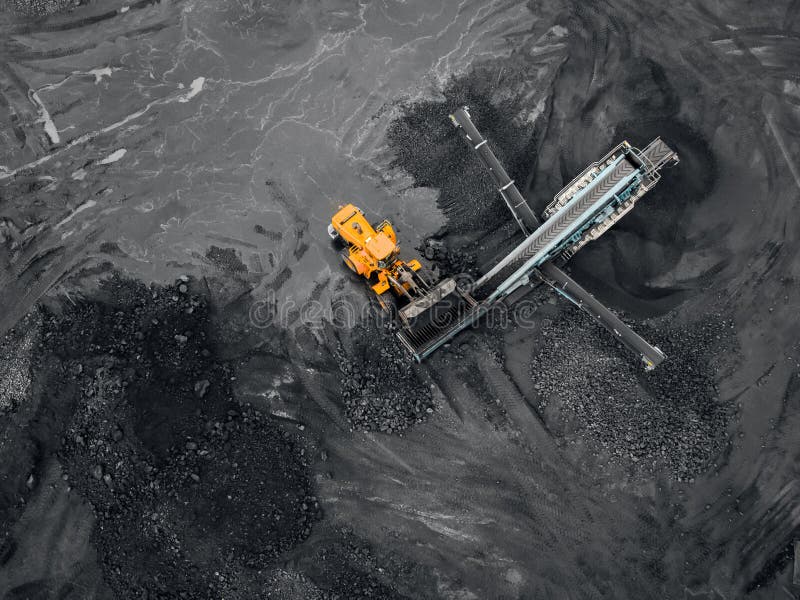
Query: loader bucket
point(433, 299)
point(429, 321)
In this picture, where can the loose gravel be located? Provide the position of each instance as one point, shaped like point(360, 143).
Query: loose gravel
point(669, 418)
point(380, 390)
point(15, 377)
point(38, 8)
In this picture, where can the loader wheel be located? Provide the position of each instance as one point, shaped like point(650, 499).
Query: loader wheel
point(349, 263)
point(337, 240)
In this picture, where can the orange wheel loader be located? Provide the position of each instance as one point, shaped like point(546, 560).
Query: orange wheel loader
point(422, 307)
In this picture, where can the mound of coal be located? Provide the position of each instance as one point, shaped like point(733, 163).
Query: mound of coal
point(14, 351)
point(38, 8)
point(428, 147)
point(188, 487)
point(345, 568)
point(380, 389)
point(670, 418)
point(450, 261)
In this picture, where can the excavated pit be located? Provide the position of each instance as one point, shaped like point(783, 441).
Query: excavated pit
point(139, 138)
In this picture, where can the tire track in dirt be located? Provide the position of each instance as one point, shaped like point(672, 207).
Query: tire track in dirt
point(21, 291)
point(55, 532)
point(310, 377)
point(520, 496)
point(15, 95)
point(526, 420)
point(751, 514)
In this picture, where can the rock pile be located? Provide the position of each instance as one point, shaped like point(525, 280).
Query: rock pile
point(225, 259)
point(14, 364)
point(349, 570)
point(187, 486)
point(450, 262)
point(427, 146)
point(38, 8)
point(380, 389)
point(671, 417)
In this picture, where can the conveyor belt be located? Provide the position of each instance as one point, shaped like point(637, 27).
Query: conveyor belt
point(583, 179)
point(566, 286)
point(519, 208)
point(659, 154)
point(557, 228)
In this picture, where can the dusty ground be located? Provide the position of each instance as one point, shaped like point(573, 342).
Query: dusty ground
point(196, 401)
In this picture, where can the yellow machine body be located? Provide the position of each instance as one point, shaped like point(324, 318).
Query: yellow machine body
point(373, 251)
point(420, 306)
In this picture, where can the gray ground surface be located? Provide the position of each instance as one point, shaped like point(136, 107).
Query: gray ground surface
point(212, 141)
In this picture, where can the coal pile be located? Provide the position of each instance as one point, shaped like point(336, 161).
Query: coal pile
point(449, 261)
point(427, 146)
point(347, 569)
point(380, 390)
point(189, 489)
point(38, 8)
point(670, 419)
point(14, 349)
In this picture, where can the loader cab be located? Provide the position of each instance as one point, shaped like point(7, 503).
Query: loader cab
point(351, 227)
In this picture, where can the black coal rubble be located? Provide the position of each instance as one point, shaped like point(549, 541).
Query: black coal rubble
point(350, 569)
point(380, 390)
point(425, 145)
point(449, 262)
point(40, 8)
point(221, 472)
point(671, 416)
